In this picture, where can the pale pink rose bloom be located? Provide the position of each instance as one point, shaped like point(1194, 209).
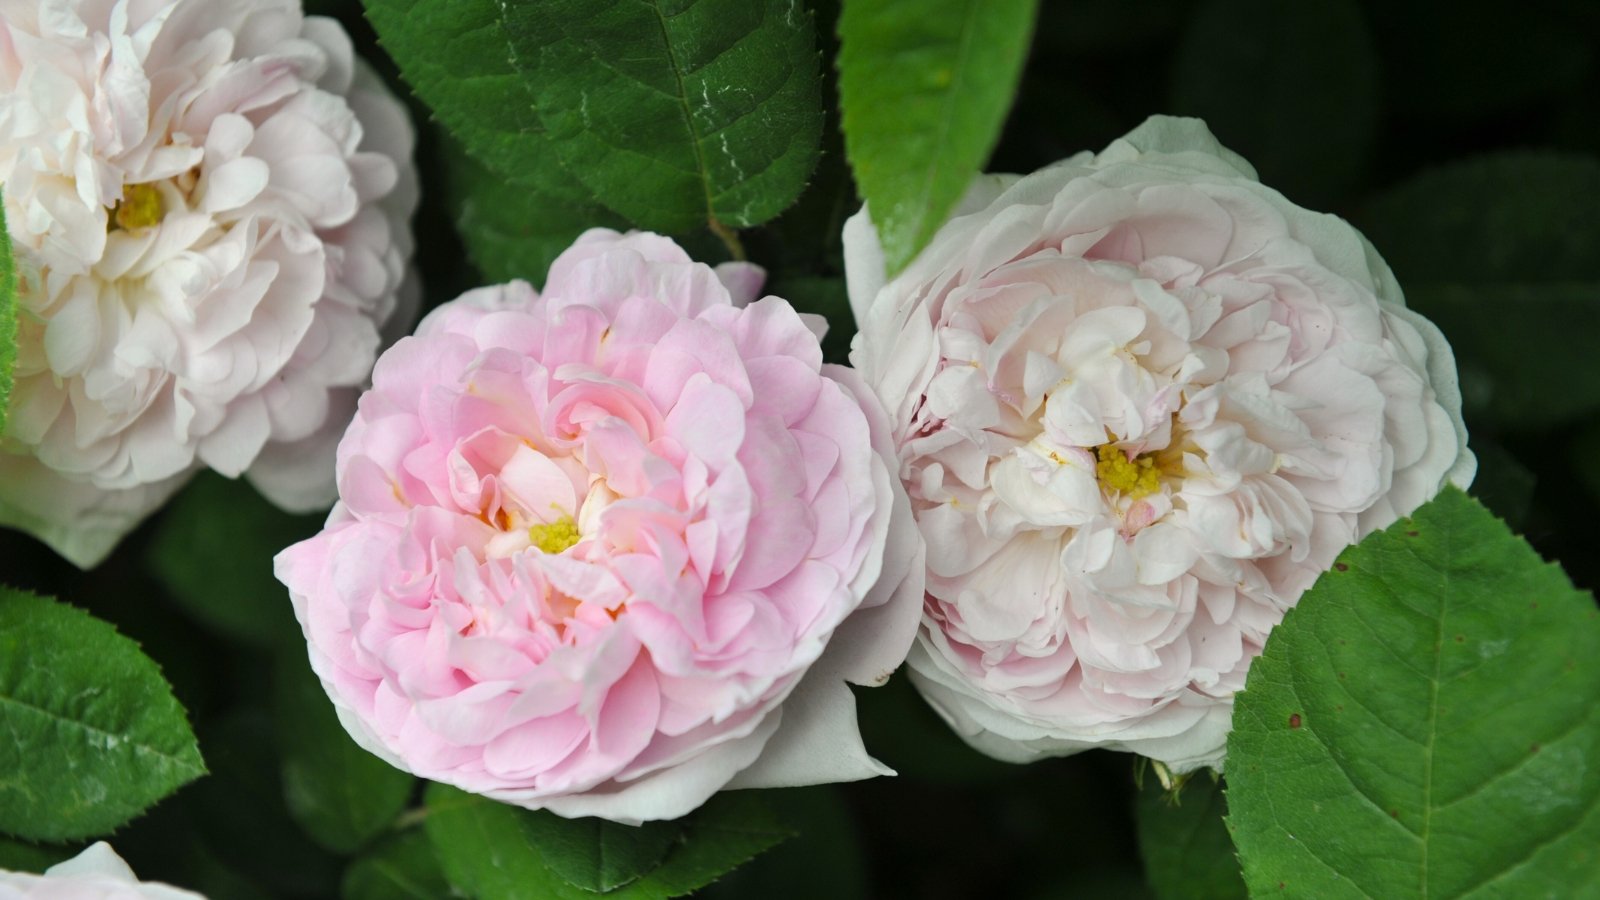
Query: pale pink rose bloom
point(209, 204)
point(608, 549)
point(95, 874)
point(1141, 402)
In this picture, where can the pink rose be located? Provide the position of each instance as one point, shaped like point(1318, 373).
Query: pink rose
point(608, 549)
point(209, 203)
point(1141, 403)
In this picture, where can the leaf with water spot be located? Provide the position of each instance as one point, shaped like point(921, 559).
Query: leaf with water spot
point(90, 734)
point(1425, 723)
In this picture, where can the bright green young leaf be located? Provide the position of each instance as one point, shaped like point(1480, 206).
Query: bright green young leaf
point(680, 114)
point(1499, 251)
point(90, 734)
point(213, 552)
point(1293, 87)
point(8, 317)
point(461, 59)
point(1425, 724)
point(925, 86)
point(340, 794)
point(493, 851)
point(1187, 852)
point(514, 231)
point(402, 867)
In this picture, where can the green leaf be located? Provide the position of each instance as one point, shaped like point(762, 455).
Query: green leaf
point(340, 794)
point(1187, 852)
point(8, 315)
point(213, 550)
point(493, 851)
point(93, 734)
point(925, 86)
point(1513, 217)
point(1499, 252)
point(598, 855)
point(680, 113)
point(16, 856)
point(401, 868)
point(1311, 75)
point(1425, 723)
point(512, 231)
point(461, 59)
point(730, 830)
point(827, 832)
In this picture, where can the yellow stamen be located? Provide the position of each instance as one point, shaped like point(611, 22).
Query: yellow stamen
point(140, 207)
point(555, 537)
point(1136, 477)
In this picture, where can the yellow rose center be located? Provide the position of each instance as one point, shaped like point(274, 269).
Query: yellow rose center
point(140, 207)
point(1138, 477)
point(556, 536)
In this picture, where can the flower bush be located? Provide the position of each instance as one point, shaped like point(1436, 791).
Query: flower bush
point(1142, 401)
point(611, 547)
point(209, 201)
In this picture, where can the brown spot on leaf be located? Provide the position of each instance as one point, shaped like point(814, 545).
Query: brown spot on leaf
point(1394, 813)
point(1343, 567)
point(1534, 749)
point(1461, 639)
point(1411, 534)
point(1294, 720)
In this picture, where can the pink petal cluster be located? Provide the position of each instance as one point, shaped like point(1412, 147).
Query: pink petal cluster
point(610, 548)
point(208, 200)
point(95, 874)
point(1141, 402)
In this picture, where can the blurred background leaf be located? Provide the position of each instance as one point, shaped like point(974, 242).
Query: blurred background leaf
point(341, 795)
point(401, 867)
point(1187, 852)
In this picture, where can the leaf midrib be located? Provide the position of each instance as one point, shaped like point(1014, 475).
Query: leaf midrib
point(140, 746)
point(702, 174)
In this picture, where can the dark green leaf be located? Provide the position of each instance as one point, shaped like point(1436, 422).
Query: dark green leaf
point(1187, 852)
point(1291, 86)
point(1424, 723)
point(401, 868)
point(340, 794)
point(680, 113)
point(461, 59)
point(240, 815)
point(493, 851)
point(514, 231)
point(93, 734)
point(598, 855)
point(16, 856)
point(1499, 251)
point(1515, 346)
point(8, 316)
point(1517, 217)
point(487, 851)
point(925, 86)
point(730, 830)
point(213, 550)
point(826, 858)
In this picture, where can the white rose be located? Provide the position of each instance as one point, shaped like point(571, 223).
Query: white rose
point(1142, 401)
point(208, 200)
point(97, 873)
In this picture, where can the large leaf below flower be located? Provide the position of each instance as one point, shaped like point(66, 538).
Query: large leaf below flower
point(8, 316)
point(1500, 252)
point(925, 86)
point(1425, 724)
point(90, 734)
point(1187, 852)
point(497, 852)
